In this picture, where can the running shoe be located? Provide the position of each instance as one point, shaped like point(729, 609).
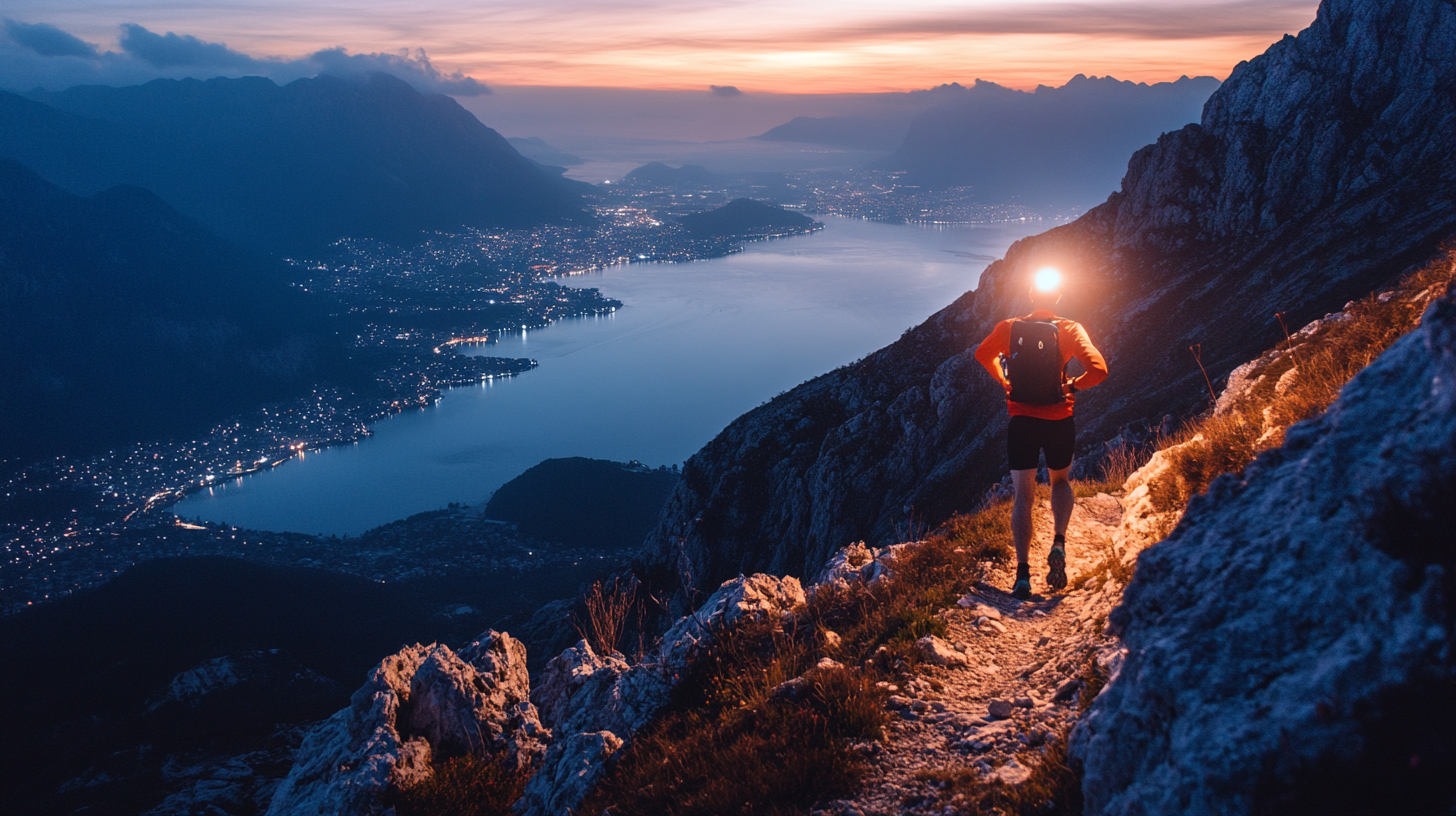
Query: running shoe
point(1021, 590)
point(1057, 568)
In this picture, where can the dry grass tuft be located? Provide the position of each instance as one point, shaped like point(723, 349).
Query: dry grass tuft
point(610, 608)
point(738, 741)
point(464, 786)
point(1297, 385)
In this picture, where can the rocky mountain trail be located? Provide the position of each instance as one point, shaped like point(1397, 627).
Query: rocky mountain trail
point(1005, 681)
point(1319, 173)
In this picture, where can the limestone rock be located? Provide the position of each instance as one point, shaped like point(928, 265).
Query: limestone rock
point(564, 676)
point(420, 702)
point(1296, 628)
point(560, 785)
point(588, 695)
point(1144, 523)
point(1000, 709)
point(846, 566)
point(934, 650)
point(756, 597)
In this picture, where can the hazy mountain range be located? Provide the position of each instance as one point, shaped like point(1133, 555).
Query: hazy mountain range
point(121, 319)
point(291, 168)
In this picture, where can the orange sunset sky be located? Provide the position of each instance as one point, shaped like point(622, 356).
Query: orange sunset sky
point(784, 46)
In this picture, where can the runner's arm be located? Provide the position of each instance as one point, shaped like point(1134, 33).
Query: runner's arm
point(997, 343)
point(1090, 358)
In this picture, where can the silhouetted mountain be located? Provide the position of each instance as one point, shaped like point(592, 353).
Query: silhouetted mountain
point(884, 132)
point(744, 216)
point(288, 168)
point(584, 502)
point(537, 150)
point(121, 319)
point(1066, 145)
point(1321, 169)
point(687, 177)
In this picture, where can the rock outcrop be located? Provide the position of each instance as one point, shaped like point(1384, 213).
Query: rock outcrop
point(1289, 645)
point(596, 703)
point(1321, 169)
point(419, 704)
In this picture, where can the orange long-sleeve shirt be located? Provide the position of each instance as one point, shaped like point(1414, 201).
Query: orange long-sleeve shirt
point(1072, 341)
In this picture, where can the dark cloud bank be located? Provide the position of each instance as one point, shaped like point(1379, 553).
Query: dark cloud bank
point(39, 55)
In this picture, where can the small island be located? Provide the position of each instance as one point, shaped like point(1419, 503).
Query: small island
point(746, 218)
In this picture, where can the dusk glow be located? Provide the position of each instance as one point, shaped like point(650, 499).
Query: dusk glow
point(758, 46)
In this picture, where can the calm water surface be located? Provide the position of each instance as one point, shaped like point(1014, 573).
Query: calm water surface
point(695, 346)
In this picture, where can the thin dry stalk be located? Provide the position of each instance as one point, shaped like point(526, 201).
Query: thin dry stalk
point(608, 610)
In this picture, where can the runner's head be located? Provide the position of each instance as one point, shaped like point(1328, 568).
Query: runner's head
point(1046, 288)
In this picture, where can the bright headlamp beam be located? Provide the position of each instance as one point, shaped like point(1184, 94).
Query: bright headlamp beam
point(1048, 280)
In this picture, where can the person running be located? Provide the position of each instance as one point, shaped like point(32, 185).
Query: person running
point(1028, 357)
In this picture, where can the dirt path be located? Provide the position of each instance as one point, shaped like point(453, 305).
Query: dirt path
point(1018, 685)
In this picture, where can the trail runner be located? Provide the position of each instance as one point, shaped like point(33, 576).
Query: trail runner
point(1028, 356)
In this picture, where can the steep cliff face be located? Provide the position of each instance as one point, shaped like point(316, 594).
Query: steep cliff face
point(1320, 170)
point(1289, 645)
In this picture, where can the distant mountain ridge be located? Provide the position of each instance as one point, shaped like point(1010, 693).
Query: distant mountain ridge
point(1051, 146)
point(857, 132)
point(686, 177)
point(121, 319)
point(291, 168)
point(1321, 169)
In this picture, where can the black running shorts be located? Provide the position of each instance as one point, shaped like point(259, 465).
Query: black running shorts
point(1026, 437)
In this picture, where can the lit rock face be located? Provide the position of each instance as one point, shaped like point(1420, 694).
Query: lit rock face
point(594, 704)
point(420, 703)
point(1289, 645)
point(1321, 170)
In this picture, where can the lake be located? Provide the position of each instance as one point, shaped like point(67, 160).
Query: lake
point(695, 346)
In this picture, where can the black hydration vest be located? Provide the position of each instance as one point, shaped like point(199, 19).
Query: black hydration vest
point(1034, 365)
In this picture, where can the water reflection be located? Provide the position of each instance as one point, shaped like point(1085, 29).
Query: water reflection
point(695, 346)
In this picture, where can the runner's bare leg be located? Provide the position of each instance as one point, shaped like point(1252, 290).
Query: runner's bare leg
point(1025, 483)
point(1063, 499)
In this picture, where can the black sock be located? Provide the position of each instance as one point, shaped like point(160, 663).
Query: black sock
point(1059, 540)
point(1023, 570)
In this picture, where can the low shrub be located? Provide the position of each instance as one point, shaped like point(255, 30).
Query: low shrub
point(463, 786)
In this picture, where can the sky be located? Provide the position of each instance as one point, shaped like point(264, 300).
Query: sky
point(466, 47)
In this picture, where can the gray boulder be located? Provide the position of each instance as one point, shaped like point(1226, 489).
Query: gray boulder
point(1288, 647)
point(596, 704)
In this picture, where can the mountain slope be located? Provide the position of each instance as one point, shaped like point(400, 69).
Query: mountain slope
point(122, 319)
point(1321, 169)
point(288, 168)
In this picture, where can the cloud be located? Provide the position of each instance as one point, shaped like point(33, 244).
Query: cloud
point(725, 90)
point(173, 51)
point(1132, 20)
point(41, 55)
point(47, 40)
point(412, 67)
